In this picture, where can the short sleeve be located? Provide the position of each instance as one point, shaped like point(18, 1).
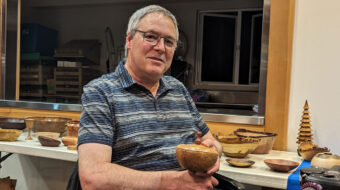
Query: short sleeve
point(96, 121)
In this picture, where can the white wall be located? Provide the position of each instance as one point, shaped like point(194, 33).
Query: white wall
point(316, 72)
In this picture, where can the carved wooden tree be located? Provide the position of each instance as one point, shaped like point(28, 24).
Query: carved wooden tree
point(305, 131)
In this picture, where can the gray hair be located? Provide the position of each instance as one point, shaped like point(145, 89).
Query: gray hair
point(137, 16)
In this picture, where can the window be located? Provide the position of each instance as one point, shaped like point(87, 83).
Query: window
point(228, 58)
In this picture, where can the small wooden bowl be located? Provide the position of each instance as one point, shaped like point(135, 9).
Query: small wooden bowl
point(240, 150)
point(196, 158)
point(47, 141)
point(243, 163)
point(9, 134)
point(67, 141)
point(281, 165)
point(72, 128)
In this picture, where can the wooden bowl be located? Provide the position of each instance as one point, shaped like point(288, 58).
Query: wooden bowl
point(196, 158)
point(239, 150)
point(233, 139)
point(47, 141)
point(325, 160)
point(49, 124)
point(266, 139)
point(281, 165)
point(52, 135)
point(69, 140)
point(72, 128)
point(12, 123)
point(9, 134)
point(308, 150)
point(243, 163)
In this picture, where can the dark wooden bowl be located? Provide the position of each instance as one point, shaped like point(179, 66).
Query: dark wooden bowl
point(12, 123)
point(47, 141)
point(281, 165)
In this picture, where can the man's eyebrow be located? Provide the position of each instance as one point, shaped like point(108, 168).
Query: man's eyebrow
point(167, 36)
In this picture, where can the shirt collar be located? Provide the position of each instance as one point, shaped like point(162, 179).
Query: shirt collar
point(127, 81)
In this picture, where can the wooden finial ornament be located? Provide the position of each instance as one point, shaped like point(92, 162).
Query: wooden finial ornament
point(305, 131)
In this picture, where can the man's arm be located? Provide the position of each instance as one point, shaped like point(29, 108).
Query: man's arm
point(97, 172)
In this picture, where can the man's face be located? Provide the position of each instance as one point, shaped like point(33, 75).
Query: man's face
point(151, 61)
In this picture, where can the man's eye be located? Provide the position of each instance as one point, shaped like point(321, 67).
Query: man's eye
point(169, 42)
point(150, 36)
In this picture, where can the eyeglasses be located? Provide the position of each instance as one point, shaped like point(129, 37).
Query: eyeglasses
point(153, 39)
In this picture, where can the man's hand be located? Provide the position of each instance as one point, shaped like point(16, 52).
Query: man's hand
point(208, 142)
point(186, 180)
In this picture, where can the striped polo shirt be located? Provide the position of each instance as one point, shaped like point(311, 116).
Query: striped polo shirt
point(142, 130)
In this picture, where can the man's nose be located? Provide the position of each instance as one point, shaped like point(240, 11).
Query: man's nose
point(160, 45)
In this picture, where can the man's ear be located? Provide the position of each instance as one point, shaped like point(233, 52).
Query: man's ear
point(128, 41)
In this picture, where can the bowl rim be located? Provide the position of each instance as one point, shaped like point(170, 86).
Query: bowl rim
point(45, 117)
point(278, 159)
point(264, 134)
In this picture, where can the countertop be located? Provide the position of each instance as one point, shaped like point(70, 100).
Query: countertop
point(34, 148)
point(258, 174)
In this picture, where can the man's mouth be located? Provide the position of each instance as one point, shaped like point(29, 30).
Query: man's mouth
point(157, 59)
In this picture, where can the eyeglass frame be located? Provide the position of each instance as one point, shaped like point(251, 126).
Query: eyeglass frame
point(159, 37)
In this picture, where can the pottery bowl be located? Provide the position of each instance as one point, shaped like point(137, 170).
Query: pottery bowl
point(49, 124)
point(9, 134)
point(281, 165)
point(196, 158)
point(239, 150)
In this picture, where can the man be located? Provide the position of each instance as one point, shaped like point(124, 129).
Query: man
point(134, 118)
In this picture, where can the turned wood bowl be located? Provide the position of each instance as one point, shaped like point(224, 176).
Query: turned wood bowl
point(308, 150)
point(12, 123)
point(9, 134)
point(266, 139)
point(243, 163)
point(49, 124)
point(281, 165)
point(239, 149)
point(47, 141)
point(196, 158)
point(325, 160)
point(72, 128)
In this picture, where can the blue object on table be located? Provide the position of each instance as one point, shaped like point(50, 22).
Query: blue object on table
point(294, 178)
